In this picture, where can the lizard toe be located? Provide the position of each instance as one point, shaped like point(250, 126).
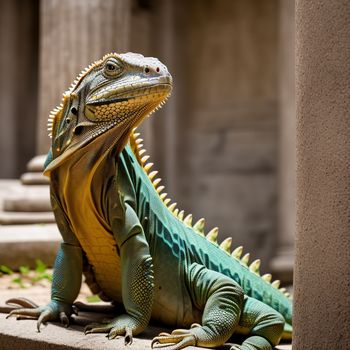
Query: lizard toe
point(120, 331)
point(97, 328)
point(25, 313)
point(64, 319)
point(22, 302)
point(174, 341)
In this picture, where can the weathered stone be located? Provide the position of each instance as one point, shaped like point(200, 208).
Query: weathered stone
point(23, 335)
point(27, 203)
point(34, 179)
point(21, 245)
point(36, 164)
point(22, 218)
point(234, 151)
point(322, 270)
point(7, 187)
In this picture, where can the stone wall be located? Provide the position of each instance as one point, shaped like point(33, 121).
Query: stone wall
point(215, 144)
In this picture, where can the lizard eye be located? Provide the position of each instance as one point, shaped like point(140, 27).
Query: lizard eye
point(112, 68)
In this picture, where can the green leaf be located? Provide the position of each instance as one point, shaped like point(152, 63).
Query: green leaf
point(48, 276)
point(17, 280)
point(6, 270)
point(24, 270)
point(40, 266)
point(93, 298)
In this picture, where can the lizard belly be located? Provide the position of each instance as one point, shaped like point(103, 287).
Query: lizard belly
point(84, 209)
point(100, 249)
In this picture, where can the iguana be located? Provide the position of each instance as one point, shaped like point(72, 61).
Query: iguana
point(135, 247)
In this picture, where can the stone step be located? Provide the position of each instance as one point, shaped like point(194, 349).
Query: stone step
point(27, 203)
point(20, 245)
point(36, 164)
point(33, 178)
point(23, 335)
point(24, 198)
point(23, 218)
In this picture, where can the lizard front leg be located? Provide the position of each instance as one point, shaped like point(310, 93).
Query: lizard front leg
point(67, 277)
point(65, 288)
point(137, 281)
point(221, 300)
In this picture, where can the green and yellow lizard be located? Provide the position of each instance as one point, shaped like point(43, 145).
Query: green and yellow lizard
point(120, 230)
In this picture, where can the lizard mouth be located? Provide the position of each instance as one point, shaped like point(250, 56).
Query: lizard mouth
point(110, 103)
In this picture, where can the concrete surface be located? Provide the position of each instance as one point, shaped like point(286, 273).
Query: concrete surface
point(322, 269)
point(23, 335)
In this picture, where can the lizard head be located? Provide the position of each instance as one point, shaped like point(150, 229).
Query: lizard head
point(107, 101)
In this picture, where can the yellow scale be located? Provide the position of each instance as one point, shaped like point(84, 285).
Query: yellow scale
point(87, 222)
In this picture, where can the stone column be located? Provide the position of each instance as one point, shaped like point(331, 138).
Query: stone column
point(18, 84)
point(322, 269)
point(73, 34)
point(282, 264)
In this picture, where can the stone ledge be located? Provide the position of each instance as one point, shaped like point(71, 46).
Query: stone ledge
point(24, 218)
point(27, 202)
point(21, 244)
point(36, 164)
point(34, 179)
point(23, 335)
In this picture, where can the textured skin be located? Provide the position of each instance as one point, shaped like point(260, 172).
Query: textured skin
point(132, 245)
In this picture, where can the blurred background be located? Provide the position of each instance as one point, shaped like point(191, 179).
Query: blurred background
point(223, 144)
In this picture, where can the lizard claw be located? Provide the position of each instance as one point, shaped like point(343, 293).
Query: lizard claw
point(176, 341)
point(235, 347)
point(51, 312)
point(115, 332)
point(64, 319)
point(43, 318)
point(128, 339)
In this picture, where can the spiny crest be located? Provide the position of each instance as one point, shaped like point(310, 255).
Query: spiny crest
point(56, 114)
point(136, 144)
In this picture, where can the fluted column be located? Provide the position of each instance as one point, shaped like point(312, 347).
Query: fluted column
point(322, 268)
point(73, 34)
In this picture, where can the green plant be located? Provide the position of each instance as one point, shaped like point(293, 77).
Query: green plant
point(93, 298)
point(26, 277)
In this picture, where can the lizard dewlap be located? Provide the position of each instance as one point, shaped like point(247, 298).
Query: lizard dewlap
point(122, 232)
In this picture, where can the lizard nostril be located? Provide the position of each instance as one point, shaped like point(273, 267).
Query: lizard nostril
point(157, 69)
